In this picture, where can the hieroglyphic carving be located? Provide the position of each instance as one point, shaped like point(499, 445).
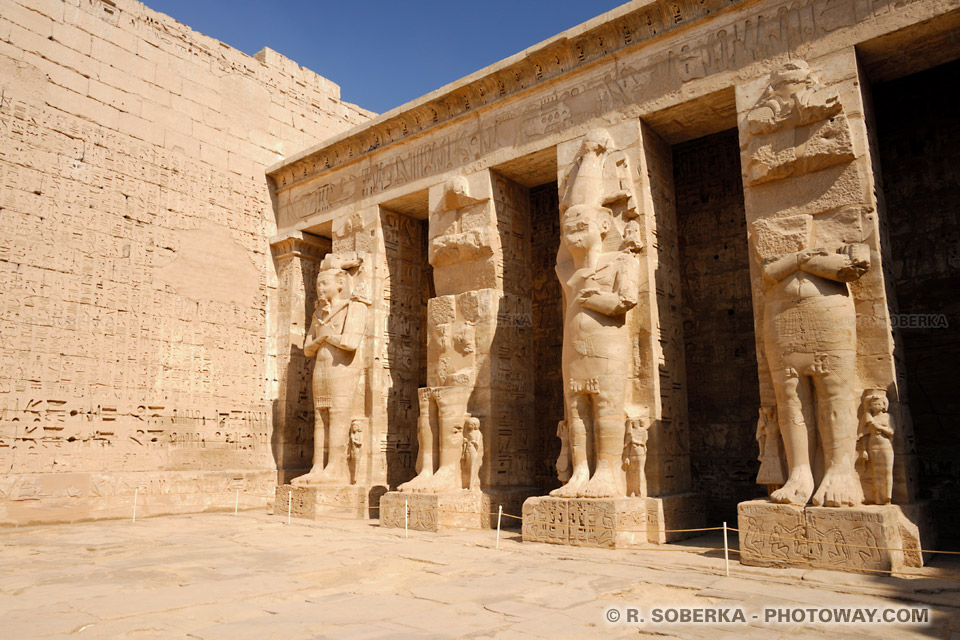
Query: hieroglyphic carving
point(732, 43)
point(405, 290)
point(868, 538)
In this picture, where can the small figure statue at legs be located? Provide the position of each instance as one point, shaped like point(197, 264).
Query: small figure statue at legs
point(635, 457)
point(472, 453)
point(875, 442)
point(355, 452)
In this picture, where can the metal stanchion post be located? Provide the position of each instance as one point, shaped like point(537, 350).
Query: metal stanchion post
point(726, 552)
point(289, 504)
point(406, 519)
point(499, 517)
point(236, 504)
point(136, 493)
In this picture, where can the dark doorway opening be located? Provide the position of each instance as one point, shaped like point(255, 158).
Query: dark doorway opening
point(718, 330)
point(918, 135)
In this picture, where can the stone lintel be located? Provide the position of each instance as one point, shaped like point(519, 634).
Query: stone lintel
point(865, 539)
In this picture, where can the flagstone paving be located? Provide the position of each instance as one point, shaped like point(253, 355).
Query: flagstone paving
point(220, 576)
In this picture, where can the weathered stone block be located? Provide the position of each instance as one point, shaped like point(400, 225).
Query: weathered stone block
point(316, 502)
point(434, 511)
point(611, 522)
point(867, 538)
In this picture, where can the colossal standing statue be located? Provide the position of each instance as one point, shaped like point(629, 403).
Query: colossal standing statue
point(600, 281)
point(809, 320)
point(336, 339)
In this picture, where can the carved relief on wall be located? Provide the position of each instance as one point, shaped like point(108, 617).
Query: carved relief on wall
point(336, 339)
point(599, 275)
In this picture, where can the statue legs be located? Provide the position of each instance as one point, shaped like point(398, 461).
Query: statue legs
point(794, 410)
point(425, 438)
point(578, 405)
point(836, 424)
point(601, 403)
point(452, 410)
point(802, 382)
point(331, 434)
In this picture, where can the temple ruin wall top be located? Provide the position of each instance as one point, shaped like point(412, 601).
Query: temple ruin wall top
point(672, 62)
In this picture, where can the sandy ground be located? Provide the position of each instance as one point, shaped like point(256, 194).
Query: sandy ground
point(220, 576)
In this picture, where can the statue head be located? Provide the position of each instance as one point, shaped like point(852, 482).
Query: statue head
point(875, 401)
point(583, 228)
point(597, 141)
point(472, 425)
point(331, 284)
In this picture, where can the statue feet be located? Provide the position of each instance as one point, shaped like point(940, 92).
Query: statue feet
point(328, 475)
point(797, 489)
point(446, 478)
point(309, 479)
point(603, 484)
point(578, 479)
point(417, 483)
point(840, 487)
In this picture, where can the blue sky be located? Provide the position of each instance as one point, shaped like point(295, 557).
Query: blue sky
point(381, 53)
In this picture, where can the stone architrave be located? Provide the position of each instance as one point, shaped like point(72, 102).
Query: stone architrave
point(819, 298)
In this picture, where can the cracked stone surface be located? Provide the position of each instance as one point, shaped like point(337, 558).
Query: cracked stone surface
point(217, 576)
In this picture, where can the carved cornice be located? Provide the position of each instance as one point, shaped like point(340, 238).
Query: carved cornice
point(624, 27)
point(298, 244)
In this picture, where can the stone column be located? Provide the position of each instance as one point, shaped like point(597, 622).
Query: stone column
point(477, 408)
point(822, 306)
point(626, 172)
point(297, 257)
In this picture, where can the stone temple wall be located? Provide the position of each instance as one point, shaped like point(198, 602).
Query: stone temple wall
point(135, 270)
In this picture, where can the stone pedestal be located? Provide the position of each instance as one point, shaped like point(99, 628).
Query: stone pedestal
point(455, 509)
point(434, 511)
point(357, 501)
point(610, 522)
point(865, 538)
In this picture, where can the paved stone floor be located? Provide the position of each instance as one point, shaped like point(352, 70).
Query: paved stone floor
point(219, 576)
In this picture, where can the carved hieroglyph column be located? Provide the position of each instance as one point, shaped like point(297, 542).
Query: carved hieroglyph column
point(822, 306)
point(297, 257)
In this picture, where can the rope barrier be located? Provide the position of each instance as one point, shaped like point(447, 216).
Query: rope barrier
point(143, 502)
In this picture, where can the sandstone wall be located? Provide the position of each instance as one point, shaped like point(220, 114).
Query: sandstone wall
point(135, 269)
